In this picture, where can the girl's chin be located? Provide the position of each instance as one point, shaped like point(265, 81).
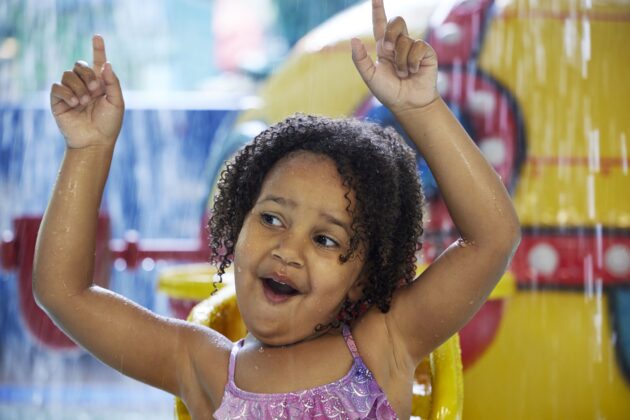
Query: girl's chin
point(275, 338)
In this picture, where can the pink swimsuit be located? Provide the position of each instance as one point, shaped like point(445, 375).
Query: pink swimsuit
point(355, 396)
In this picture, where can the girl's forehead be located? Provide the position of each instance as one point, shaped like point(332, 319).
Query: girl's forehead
point(310, 178)
point(302, 161)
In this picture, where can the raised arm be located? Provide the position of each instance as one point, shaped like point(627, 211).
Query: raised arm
point(88, 108)
point(457, 283)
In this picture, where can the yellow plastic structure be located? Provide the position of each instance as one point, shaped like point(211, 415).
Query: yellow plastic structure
point(193, 282)
point(552, 360)
point(438, 392)
point(554, 354)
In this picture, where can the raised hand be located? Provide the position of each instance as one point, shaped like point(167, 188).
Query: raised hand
point(88, 103)
point(405, 72)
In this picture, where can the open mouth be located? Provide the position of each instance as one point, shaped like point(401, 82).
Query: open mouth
point(277, 291)
point(279, 288)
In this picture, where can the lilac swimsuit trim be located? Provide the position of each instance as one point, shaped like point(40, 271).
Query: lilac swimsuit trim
point(355, 396)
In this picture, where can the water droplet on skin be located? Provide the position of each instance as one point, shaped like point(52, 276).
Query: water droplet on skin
point(498, 208)
point(261, 350)
point(463, 242)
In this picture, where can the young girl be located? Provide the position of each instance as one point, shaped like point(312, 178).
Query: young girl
point(321, 219)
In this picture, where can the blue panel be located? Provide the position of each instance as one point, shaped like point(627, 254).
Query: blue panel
point(620, 308)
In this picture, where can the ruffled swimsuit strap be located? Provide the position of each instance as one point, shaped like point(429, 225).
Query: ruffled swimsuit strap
point(232, 363)
point(352, 346)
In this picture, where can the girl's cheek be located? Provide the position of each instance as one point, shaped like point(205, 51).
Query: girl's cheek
point(243, 238)
point(240, 253)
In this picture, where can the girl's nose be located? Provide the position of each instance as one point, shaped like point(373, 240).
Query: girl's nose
point(289, 251)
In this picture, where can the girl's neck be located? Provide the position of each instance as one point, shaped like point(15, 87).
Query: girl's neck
point(326, 331)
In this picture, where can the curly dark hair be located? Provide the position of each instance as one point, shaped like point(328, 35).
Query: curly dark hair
point(373, 161)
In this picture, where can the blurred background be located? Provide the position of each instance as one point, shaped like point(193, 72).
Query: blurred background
point(541, 87)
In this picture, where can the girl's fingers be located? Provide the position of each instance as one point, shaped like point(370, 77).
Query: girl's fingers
point(87, 74)
point(395, 28)
point(379, 19)
point(99, 58)
point(422, 55)
point(62, 99)
point(401, 55)
point(416, 54)
point(84, 83)
point(113, 92)
point(78, 87)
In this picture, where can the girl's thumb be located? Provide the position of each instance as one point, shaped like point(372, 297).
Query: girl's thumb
point(362, 60)
point(113, 92)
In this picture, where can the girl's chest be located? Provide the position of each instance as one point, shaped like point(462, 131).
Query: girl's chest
point(281, 370)
point(269, 372)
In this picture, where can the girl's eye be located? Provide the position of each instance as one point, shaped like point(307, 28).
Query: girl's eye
point(270, 219)
point(325, 241)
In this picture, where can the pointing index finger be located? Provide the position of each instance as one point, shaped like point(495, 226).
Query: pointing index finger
point(98, 53)
point(379, 19)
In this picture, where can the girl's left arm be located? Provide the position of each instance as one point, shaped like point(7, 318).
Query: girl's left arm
point(453, 288)
point(456, 284)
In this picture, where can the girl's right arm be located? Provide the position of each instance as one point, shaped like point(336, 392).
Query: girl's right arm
point(169, 354)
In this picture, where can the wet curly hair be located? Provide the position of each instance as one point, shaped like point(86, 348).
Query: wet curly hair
point(373, 161)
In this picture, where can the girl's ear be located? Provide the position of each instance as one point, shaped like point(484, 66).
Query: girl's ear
point(356, 290)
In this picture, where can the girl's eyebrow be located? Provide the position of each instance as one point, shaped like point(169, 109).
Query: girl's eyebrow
point(333, 220)
point(287, 202)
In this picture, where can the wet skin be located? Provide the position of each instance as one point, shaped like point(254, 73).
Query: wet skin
point(293, 236)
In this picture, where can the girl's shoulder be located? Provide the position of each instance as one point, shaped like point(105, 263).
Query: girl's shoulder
point(206, 370)
point(384, 357)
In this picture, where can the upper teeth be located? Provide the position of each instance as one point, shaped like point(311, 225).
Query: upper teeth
point(279, 282)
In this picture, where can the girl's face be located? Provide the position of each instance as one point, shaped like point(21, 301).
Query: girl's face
point(288, 275)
